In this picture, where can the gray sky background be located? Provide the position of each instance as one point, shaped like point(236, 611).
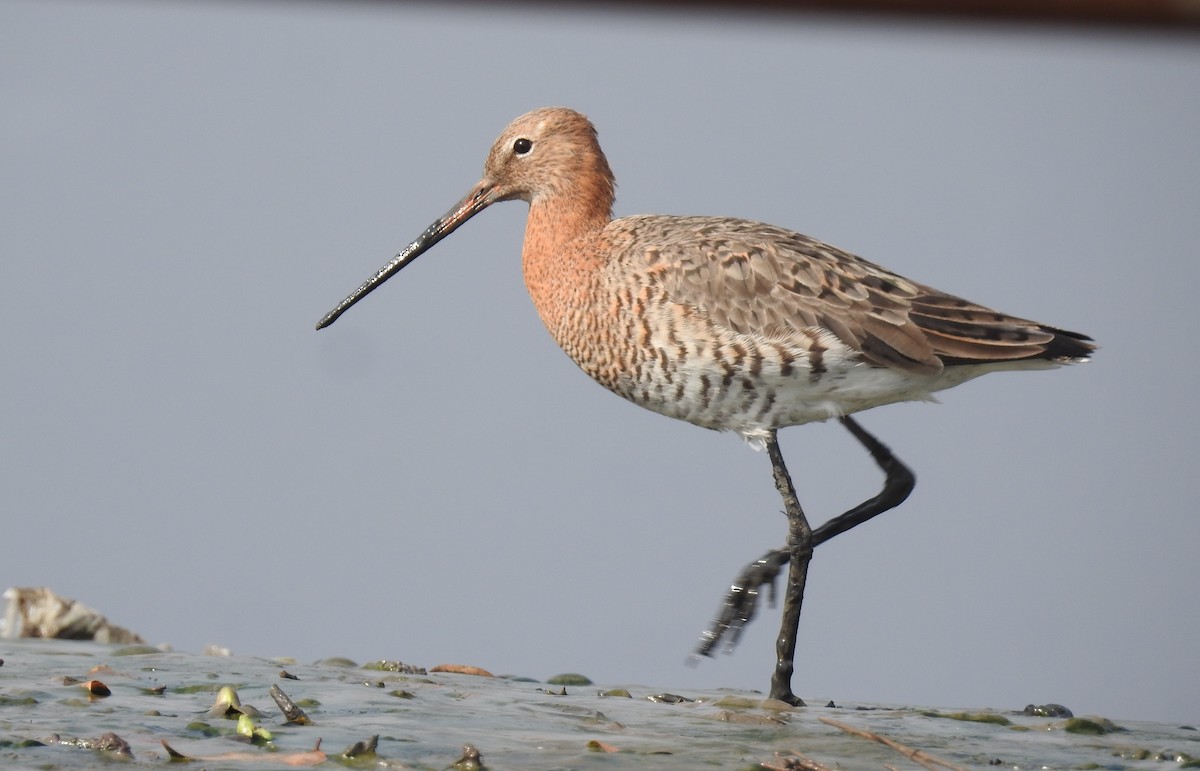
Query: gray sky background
point(188, 187)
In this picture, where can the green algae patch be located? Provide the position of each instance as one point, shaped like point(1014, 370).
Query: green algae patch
point(204, 729)
point(737, 702)
point(971, 717)
point(1089, 726)
point(337, 661)
point(136, 650)
point(21, 743)
point(569, 678)
point(199, 688)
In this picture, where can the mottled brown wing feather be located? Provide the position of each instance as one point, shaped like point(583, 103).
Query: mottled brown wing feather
point(755, 278)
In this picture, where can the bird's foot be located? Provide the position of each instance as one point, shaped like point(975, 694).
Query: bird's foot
point(741, 602)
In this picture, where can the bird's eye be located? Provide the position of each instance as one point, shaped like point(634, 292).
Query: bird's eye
point(522, 146)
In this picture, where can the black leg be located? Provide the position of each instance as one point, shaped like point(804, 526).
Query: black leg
point(742, 600)
point(896, 487)
point(799, 550)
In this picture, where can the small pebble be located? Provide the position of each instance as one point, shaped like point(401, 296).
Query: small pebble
point(96, 688)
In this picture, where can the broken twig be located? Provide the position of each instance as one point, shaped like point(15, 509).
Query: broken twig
point(918, 756)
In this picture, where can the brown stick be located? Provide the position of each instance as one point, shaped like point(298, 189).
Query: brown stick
point(919, 756)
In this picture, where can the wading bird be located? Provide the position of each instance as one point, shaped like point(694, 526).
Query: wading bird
point(731, 325)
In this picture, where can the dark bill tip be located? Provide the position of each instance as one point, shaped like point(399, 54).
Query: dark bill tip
point(381, 275)
point(473, 203)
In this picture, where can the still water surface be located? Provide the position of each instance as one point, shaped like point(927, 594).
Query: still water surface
point(423, 721)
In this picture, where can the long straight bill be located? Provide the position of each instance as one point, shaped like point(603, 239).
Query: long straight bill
point(474, 202)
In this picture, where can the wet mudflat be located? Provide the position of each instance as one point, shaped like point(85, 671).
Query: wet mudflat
point(54, 714)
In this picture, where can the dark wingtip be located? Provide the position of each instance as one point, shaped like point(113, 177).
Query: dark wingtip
point(1068, 346)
